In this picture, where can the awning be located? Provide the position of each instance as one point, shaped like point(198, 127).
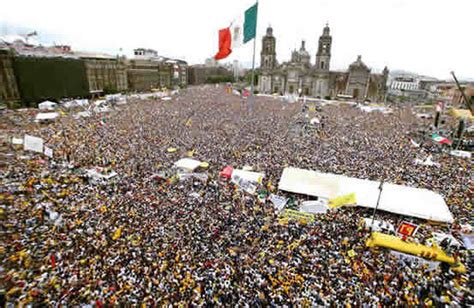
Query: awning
point(399, 199)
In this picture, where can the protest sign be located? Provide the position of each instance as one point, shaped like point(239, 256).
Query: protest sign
point(300, 216)
point(33, 144)
point(278, 201)
point(407, 229)
point(48, 152)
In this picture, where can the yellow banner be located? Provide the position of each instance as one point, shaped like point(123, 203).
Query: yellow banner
point(342, 200)
point(300, 216)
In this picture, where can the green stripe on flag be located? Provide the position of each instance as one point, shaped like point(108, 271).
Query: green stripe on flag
point(250, 23)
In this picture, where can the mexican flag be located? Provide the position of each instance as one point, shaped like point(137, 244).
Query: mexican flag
point(440, 139)
point(242, 30)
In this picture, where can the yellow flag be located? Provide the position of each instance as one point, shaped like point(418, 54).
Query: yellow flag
point(351, 253)
point(190, 153)
point(342, 200)
point(117, 234)
point(189, 122)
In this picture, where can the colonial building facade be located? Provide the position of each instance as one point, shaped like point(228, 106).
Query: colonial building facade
point(300, 75)
point(8, 85)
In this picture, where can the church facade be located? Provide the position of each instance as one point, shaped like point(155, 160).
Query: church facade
point(300, 75)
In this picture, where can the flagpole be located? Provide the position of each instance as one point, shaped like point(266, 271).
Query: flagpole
point(376, 206)
point(251, 97)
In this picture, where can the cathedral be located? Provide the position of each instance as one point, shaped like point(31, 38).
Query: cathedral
point(299, 75)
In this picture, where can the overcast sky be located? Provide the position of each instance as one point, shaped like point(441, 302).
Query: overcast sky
point(430, 37)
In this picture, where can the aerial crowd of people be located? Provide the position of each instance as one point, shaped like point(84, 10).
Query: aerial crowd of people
point(139, 238)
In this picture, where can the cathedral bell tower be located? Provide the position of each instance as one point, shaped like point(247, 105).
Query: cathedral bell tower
point(268, 53)
point(323, 56)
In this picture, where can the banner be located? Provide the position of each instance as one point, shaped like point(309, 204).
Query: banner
point(468, 240)
point(343, 200)
point(314, 207)
point(300, 216)
point(33, 144)
point(414, 259)
point(17, 140)
point(407, 229)
point(48, 152)
point(278, 201)
point(244, 185)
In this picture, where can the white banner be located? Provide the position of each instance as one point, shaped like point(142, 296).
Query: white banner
point(33, 144)
point(48, 152)
point(17, 140)
point(244, 185)
point(314, 207)
point(414, 259)
point(278, 201)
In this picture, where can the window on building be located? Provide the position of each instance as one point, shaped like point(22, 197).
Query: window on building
point(322, 64)
point(306, 91)
point(291, 89)
point(275, 90)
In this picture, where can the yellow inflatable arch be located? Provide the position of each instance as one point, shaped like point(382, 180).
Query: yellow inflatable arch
point(378, 239)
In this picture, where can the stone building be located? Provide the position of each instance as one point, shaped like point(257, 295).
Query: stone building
point(149, 71)
point(8, 86)
point(200, 74)
point(458, 99)
point(105, 73)
point(143, 74)
point(300, 75)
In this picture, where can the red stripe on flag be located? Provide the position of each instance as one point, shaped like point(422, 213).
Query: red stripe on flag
point(224, 44)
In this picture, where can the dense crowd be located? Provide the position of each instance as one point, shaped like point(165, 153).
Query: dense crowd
point(139, 239)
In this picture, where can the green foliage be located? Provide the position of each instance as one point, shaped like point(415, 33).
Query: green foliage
point(248, 77)
point(219, 79)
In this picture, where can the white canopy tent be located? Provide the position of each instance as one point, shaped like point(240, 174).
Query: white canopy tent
point(98, 174)
point(47, 116)
point(399, 199)
point(187, 164)
point(47, 105)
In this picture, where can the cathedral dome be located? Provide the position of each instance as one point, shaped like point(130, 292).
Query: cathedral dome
point(304, 55)
point(358, 65)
